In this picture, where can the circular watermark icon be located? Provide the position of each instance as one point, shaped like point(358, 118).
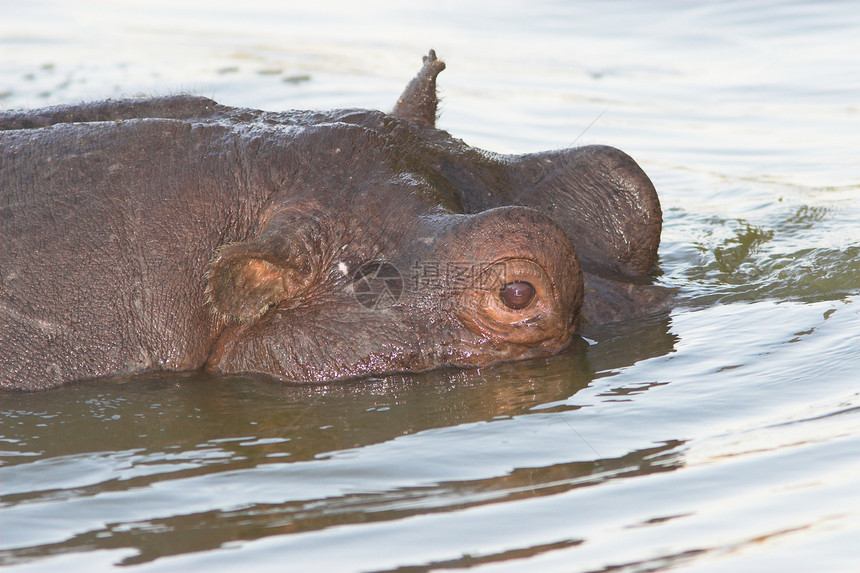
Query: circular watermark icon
point(377, 285)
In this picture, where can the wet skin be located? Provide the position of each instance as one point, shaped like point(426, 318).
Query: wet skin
point(178, 234)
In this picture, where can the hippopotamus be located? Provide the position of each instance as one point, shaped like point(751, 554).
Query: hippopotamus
point(174, 233)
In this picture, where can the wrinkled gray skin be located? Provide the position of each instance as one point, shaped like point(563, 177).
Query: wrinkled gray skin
point(178, 234)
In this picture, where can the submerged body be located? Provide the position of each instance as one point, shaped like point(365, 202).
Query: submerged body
point(179, 234)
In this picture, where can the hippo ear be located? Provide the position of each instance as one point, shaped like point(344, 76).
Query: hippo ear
point(418, 101)
point(245, 279)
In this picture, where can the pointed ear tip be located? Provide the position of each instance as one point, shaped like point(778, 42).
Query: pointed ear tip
point(432, 63)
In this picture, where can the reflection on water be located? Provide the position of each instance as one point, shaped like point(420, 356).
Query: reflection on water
point(738, 260)
point(720, 436)
point(258, 442)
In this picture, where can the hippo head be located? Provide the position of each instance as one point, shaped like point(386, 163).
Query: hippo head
point(386, 245)
point(458, 289)
point(383, 276)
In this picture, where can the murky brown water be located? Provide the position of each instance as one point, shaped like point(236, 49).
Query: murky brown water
point(723, 437)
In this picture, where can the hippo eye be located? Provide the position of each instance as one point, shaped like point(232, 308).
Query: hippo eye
point(517, 294)
point(513, 301)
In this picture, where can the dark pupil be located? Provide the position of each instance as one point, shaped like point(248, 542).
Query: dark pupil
point(517, 294)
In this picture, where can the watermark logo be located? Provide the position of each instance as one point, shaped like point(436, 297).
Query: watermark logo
point(455, 276)
point(377, 285)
